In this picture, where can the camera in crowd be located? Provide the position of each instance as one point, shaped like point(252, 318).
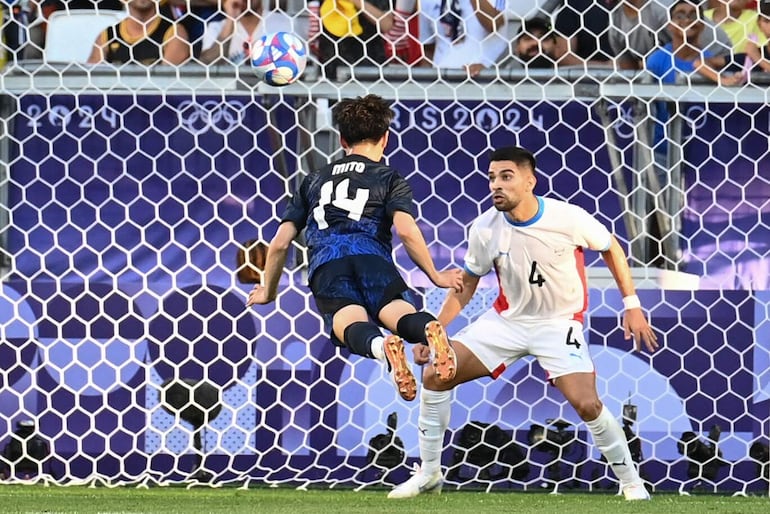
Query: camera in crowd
point(634, 441)
point(486, 451)
point(26, 452)
point(760, 453)
point(705, 457)
point(549, 440)
point(386, 451)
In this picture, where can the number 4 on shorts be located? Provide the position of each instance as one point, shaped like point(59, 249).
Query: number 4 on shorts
point(571, 341)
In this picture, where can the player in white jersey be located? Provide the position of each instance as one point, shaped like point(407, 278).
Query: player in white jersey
point(535, 245)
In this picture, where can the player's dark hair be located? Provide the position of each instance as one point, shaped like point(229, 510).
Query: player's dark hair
point(516, 154)
point(365, 118)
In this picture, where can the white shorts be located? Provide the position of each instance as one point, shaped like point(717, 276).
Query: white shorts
point(558, 345)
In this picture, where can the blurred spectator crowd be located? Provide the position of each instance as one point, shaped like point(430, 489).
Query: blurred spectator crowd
point(723, 41)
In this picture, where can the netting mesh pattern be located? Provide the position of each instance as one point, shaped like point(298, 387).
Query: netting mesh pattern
point(127, 356)
point(126, 213)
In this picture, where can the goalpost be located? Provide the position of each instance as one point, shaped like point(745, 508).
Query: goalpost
point(126, 344)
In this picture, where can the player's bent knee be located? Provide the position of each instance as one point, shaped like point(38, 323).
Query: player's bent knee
point(588, 410)
point(469, 367)
point(431, 382)
point(358, 336)
point(412, 326)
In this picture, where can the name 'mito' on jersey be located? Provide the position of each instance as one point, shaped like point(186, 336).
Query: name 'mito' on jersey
point(539, 263)
point(347, 207)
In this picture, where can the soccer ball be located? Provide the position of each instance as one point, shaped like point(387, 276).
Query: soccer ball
point(279, 58)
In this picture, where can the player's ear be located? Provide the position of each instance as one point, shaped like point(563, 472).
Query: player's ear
point(344, 144)
point(532, 181)
point(384, 139)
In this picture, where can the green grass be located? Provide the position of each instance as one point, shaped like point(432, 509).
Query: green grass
point(167, 500)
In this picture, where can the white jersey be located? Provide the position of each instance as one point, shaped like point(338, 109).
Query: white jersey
point(539, 263)
point(459, 36)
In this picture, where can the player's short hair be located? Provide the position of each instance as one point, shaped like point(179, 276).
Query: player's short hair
point(516, 154)
point(364, 118)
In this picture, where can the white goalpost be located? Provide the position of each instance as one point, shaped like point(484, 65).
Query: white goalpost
point(127, 356)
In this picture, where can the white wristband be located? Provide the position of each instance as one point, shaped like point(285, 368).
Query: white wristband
point(631, 302)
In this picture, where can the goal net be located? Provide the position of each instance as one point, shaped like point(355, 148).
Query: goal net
point(127, 355)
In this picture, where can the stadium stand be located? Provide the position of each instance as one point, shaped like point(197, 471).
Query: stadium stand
point(71, 34)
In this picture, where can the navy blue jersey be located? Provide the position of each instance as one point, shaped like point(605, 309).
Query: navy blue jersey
point(347, 207)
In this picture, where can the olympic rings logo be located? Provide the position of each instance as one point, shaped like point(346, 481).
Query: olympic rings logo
point(221, 117)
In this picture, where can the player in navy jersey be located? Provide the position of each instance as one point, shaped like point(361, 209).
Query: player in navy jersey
point(535, 245)
point(348, 208)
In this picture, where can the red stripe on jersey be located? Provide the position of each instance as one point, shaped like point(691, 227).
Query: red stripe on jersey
point(580, 265)
point(498, 370)
point(501, 302)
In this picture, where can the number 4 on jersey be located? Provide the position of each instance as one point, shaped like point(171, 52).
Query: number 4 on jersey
point(353, 206)
point(535, 277)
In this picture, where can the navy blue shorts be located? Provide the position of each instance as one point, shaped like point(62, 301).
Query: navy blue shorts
point(366, 280)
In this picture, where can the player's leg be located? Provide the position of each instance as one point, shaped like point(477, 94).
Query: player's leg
point(351, 325)
point(580, 390)
point(400, 316)
point(435, 408)
point(339, 298)
point(486, 349)
point(443, 356)
point(342, 306)
point(362, 337)
point(378, 283)
point(561, 349)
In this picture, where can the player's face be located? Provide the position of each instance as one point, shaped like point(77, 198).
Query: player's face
point(510, 184)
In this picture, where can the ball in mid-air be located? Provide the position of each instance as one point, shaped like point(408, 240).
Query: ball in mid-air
point(279, 58)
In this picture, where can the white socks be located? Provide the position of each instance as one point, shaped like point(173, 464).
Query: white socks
point(435, 409)
point(611, 441)
point(378, 348)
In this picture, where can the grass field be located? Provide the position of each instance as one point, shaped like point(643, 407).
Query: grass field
point(165, 500)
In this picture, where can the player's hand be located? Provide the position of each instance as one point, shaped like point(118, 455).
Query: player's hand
point(258, 296)
point(450, 279)
point(421, 353)
point(635, 325)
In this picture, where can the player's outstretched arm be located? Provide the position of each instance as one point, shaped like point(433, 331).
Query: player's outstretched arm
point(634, 321)
point(410, 234)
point(276, 258)
point(452, 306)
point(455, 300)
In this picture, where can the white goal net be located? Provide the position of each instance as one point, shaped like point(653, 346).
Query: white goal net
point(127, 355)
